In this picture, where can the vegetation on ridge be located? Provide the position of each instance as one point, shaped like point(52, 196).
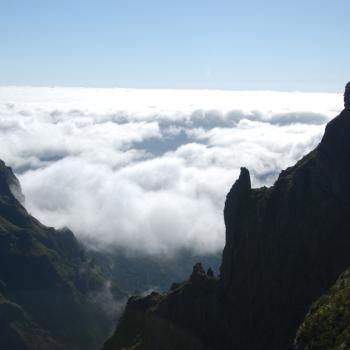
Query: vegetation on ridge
point(327, 325)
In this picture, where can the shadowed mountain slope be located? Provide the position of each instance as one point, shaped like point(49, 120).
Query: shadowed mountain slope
point(48, 288)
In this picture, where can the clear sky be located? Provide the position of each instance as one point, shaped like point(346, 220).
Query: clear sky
point(267, 44)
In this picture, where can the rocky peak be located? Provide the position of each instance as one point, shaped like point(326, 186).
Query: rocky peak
point(243, 181)
point(210, 273)
point(238, 193)
point(236, 201)
point(198, 272)
point(9, 185)
point(333, 153)
point(347, 96)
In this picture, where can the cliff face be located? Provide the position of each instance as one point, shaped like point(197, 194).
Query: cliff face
point(347, 96)
point(285, 246)
point(47, 285)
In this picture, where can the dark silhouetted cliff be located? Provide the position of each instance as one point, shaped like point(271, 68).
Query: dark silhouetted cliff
point(285, 246)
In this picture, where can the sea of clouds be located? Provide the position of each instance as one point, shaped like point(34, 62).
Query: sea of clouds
point(148, 170)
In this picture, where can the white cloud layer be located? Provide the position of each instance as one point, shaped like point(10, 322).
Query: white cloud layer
point(148, 170)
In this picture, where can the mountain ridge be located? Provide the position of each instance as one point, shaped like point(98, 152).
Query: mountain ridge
point(285, 247)
point(47, 285)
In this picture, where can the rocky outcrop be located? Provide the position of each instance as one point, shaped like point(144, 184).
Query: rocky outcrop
point(47, 286)
point(175, 320)
point(135, 273)
point(236, 202)
point(285, 246)
point(347, 96)
point(9, 184)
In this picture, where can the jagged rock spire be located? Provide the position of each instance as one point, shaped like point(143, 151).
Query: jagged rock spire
point(9, 184)
point(347, 96)
point(198, 273)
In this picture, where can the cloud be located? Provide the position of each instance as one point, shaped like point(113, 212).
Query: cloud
point(107, 302)
point(148, 170)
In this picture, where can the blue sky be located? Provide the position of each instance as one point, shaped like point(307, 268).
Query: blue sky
point(278, 45)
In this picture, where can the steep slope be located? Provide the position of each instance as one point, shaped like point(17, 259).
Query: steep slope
point(48, 290)
point(327, 325)
point(285, 246)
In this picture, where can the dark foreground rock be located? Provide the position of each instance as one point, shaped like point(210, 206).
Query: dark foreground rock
point(285, 246)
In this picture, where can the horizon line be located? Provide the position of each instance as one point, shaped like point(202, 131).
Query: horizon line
point(165, 88)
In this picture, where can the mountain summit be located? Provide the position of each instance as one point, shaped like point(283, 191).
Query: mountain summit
point(285, 246)
point(347, 96)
